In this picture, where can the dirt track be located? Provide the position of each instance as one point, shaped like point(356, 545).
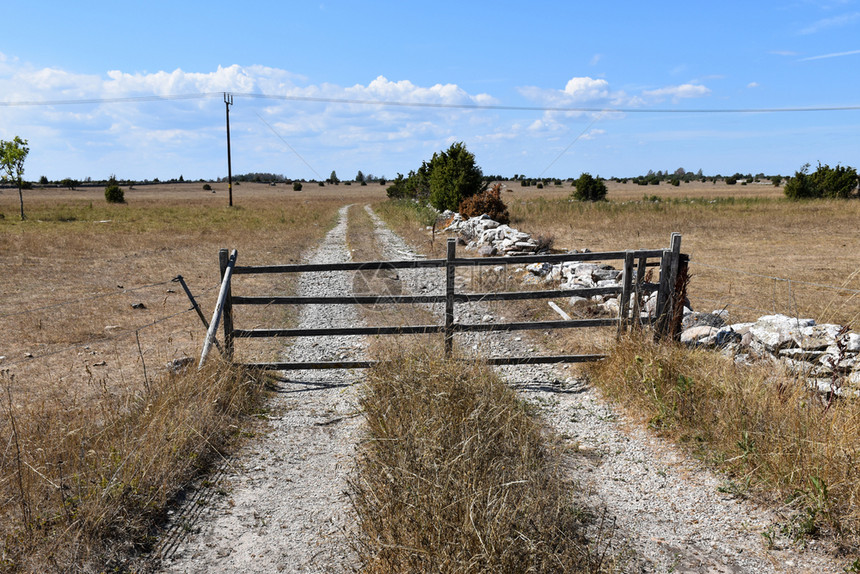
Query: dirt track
point(284, 508)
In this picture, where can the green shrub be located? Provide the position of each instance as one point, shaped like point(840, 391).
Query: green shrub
point(589, 188)
point(454, 176)
point(297, 186)
point(113, 192)
point(207, 187)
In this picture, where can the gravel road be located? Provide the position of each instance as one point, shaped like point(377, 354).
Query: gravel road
point(282, 506)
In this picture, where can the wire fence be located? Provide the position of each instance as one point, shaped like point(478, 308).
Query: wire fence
point(55, 359)
point(745, 293)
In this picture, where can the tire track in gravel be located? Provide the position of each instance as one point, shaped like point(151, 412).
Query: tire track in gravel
point(667, 507)
point(284, 507)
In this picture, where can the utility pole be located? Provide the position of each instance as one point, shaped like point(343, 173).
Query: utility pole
point(228, 101)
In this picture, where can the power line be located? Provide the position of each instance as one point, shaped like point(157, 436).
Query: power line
point(394, 103)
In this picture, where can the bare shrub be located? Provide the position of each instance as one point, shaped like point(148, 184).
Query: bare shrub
point(489, 202)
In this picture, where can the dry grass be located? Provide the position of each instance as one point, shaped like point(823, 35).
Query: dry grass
point(457, 475)
point(758, 424)
point(85, 480)
point(99, 436)
point(729, 237)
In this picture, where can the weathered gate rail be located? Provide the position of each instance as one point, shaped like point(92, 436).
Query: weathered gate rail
point(669, 260)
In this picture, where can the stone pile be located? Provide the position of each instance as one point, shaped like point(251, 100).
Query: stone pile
point(490, 238)
point(822, 353)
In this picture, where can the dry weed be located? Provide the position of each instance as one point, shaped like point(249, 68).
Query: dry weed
point(762, 426)
point(458, 475)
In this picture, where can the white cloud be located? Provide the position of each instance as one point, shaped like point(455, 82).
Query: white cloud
point(827, 23)
point(753, 85)
point(827, 56)
point(677, 93)
point(587, 89)
point(595, 59)
point(592, 134)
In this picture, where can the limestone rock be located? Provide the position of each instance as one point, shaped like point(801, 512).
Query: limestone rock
point(776, 332)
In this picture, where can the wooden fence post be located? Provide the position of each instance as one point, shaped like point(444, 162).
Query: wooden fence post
point(225, 264)
point(226, 274)
point(450, 274)
point(624, 307)
point(679, 296)
point(668, 274)
point(637, 289)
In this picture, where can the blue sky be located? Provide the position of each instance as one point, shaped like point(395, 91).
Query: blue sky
point(633, 56)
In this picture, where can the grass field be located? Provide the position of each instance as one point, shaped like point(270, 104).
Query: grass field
point(85, 399)
point(99, 435)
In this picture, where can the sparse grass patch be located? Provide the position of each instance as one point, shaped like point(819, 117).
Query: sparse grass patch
point(756, 423)
point(458, 475)
point(86, 478)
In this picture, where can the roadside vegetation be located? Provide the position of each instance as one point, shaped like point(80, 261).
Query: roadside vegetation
point(458, 475)
point(99, 434)
point(765, 428)
point(774, 438)
point(85, 481)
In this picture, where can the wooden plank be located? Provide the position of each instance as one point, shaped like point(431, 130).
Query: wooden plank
point(450, 276)
point(224, 262)
point(674, 262)
point(544, 360)
point(348, 300)
point(559, 311)
point(339, 331)
point(532, 325)
point(638, 290)
point(624, 312)
point(411, 299)
point(495, 361)
point(425, 263)
point(311, 365)
point(521, 259)
point(547, 294)
point(352, 266)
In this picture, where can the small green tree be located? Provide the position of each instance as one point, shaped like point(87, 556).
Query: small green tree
point(801, 186)
point(12, 156)
point(297, 186)
point(838, 182)
point(332, 179)
point(589, 188)
point(113, 192)
point(454, 176)
point(359, 177)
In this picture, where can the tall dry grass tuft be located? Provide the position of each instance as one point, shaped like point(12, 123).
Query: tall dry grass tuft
point(87, 477)
point(458, 475)
point(762, 426)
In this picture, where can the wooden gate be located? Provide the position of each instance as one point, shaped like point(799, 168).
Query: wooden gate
point(671, 261)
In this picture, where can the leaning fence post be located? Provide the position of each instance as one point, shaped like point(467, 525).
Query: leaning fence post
point(224, 263)
point(219, 307)
point(450, 274)
point(668, 274)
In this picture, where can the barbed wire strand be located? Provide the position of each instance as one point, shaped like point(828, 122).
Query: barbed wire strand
point(796, 281)
point(84, 299)
point(120, 334)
